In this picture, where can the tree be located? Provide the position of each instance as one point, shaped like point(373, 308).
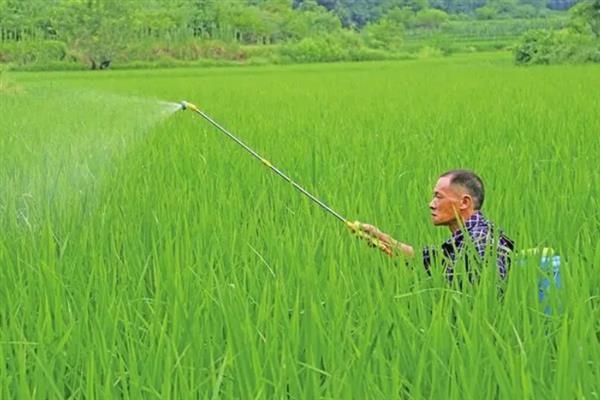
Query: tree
point(203, 18)
point(401, 16)
point(384, 34)
point(456, 6)
point(504, 7)
point(352, 13)
point(22, 20)
point(588, 13)
point(431, 18)
point(525, 11)
point(312, 22)
point(486, 12)
point(250, 24)
point(97, 29)
point(538, 4)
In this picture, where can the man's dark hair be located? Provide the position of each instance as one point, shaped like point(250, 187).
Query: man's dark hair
point(470, 181)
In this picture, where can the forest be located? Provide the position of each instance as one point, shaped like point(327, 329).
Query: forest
point(47, 34)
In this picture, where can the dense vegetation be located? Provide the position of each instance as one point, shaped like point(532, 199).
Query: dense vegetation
point(100, 33)
point(577, 42)
point(149, 257)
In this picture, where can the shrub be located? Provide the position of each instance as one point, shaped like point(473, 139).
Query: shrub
point(431, 18)
point(198, 49)
point(344, 46)
point(385, 34)
point(549, 47)
point(430, 52)
point(486, 12)
point(325, 48)
point(535, 47)
point(445, 44)
point(23, 53)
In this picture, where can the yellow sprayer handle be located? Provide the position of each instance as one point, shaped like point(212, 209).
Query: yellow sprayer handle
point(373, 241)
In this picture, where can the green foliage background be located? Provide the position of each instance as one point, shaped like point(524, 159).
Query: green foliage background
point(578, 42)
point(51, 34)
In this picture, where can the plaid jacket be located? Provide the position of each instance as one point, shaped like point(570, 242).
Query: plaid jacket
point(482, 236)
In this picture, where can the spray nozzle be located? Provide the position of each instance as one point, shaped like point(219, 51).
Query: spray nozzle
point(185, 106)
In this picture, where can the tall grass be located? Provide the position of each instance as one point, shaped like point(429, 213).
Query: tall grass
point(151, 258)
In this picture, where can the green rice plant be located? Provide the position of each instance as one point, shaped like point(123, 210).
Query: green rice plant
point(146, 256)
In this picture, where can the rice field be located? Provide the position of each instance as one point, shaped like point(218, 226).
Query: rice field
point(144, 255)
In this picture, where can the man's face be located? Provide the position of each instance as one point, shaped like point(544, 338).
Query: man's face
point(446, 202)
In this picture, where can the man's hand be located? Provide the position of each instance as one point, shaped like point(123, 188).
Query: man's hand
point(376, 238)
point(373, 236)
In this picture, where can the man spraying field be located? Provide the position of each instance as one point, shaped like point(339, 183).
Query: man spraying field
point(457, 200)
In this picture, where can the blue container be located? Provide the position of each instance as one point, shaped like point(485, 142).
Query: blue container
point(550, 266)
point(549, 283)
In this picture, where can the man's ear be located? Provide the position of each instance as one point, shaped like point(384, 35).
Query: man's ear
point(466, 202)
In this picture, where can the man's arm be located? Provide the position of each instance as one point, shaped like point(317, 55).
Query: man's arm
point(389, 243)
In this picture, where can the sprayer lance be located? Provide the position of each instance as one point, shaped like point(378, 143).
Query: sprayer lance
point(354, 226)
point(185, 106)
